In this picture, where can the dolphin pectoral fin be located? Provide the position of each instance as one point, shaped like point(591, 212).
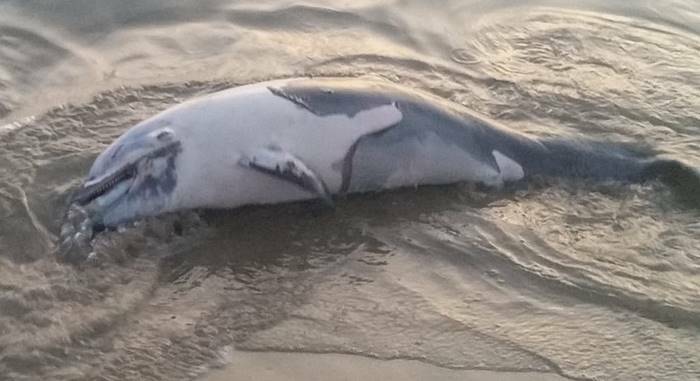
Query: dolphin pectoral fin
point(275, 162)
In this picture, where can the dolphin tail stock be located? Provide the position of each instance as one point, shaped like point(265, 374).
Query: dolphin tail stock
point(620, 162)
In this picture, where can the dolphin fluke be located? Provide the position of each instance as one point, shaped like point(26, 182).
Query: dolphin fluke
point(683, 179)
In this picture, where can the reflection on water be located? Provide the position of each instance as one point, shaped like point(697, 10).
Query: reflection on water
point(587, 281)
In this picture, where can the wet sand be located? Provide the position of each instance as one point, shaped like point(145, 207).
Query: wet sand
point(269, 366)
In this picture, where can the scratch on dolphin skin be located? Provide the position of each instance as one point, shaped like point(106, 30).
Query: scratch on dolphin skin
point(297, 100)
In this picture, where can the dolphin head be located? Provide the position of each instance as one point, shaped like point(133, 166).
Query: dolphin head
point(134, 177)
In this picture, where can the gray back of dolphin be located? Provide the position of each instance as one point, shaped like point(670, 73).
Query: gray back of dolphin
point(375, 158)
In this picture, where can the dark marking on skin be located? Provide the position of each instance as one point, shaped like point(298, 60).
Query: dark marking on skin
point(337, 101)
point(347, 168)
point(163, 184)
point(164, 136)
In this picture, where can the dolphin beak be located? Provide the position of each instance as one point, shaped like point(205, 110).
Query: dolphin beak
point(105, 185)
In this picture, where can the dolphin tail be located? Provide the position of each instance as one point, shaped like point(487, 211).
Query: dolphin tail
point(602, 161)
point(682, 178)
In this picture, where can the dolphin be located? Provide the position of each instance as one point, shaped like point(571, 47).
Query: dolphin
point(297, 139)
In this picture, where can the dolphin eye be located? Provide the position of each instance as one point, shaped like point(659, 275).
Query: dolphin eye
point(165, 135)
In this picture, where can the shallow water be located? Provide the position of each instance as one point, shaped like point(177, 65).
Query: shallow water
point(589, 281)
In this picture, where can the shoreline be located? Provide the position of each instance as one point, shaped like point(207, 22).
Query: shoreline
point(274, 366)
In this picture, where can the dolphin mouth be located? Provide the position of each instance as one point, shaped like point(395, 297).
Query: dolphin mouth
point(94, 189)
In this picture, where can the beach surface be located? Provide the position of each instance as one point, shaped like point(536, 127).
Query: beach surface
point(275, 366)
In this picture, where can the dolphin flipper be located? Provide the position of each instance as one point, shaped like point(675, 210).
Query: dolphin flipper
point(283, 165)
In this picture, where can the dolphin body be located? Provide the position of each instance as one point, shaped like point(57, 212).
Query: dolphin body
point(299, 139)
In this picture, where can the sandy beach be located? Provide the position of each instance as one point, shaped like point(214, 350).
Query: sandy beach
point(276, 366)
